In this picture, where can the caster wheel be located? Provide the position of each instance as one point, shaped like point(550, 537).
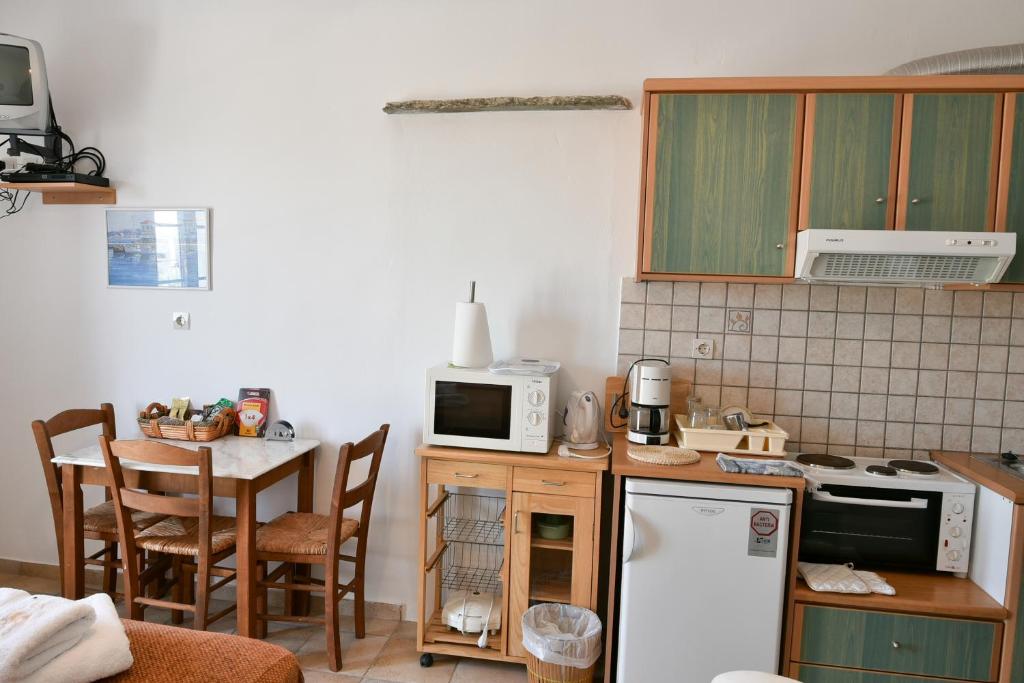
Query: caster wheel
point(426, 660)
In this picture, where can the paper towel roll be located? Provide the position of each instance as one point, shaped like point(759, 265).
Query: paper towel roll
point(471, 347)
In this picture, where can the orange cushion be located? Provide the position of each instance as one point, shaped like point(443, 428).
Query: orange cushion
point(166, 654)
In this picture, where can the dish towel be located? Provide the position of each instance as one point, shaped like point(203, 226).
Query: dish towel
point(103, 651)
point(35, 629)
point(779, 468)
point(841, 578)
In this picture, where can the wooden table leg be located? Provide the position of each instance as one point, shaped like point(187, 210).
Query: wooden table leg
point(300, 600)
point(245, 556)
point(73, 535)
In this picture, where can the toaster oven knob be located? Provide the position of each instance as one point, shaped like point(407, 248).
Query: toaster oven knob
point(955, 532)
point(953, 555)
point(534, 418)
point(536, 397)
point(957, 508)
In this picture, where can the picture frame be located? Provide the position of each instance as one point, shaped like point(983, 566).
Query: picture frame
point(156, 248)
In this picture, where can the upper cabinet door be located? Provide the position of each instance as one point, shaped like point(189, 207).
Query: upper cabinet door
point(1010, 200)
point(850, 154)
point(721, 179)
point(948, 163)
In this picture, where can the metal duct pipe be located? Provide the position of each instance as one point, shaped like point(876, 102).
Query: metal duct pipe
point(997, 59)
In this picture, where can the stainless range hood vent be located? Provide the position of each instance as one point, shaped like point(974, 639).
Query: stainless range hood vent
point(900, 257)
point(897, 267)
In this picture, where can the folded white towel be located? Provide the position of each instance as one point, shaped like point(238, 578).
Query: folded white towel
point(34, 629)
point(104, 651)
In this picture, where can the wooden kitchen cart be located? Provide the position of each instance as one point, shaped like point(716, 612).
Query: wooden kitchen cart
point(480, 512)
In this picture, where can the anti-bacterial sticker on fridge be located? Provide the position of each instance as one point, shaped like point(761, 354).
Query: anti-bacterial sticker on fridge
point(763, 539)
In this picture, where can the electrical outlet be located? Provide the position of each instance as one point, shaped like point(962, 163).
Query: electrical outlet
point(703, 348)
point(181, 320)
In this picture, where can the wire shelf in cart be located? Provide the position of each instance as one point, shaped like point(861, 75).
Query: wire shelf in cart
point(474, 519)
point(472, 566)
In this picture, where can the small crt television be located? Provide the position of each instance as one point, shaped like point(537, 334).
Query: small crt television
point(24, 93)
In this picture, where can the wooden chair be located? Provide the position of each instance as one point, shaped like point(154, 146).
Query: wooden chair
point(99, 522)
point(191, 534)
point(309, 538)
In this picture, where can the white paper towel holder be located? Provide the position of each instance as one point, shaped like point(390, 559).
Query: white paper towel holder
point(471, 343)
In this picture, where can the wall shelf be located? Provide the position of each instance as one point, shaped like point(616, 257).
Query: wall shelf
point(67, 193)
point(479, 104)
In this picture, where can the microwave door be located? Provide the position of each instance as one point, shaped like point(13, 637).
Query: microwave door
point(473, 411)
point(871, 527)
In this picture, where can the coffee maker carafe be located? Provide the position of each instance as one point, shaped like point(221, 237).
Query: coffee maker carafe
point(650, 389)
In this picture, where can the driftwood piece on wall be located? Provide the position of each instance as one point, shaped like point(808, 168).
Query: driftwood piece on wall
point(475, 104)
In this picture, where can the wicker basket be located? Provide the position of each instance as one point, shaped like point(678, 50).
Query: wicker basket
point(543, 672)
point(223, 424)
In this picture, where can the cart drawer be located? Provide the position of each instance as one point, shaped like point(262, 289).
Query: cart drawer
point(900, 643)
point(559, 482)
point(454, 473)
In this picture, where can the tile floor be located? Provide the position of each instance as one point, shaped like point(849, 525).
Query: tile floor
point(386, 655)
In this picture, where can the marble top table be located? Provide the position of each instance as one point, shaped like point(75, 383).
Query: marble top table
point(234, 457)
point(242, 467)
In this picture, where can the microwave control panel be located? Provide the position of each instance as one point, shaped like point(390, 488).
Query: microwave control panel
point(955, 532)
point(538, 414)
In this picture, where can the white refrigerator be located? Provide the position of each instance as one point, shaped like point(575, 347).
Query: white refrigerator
point(703, 577)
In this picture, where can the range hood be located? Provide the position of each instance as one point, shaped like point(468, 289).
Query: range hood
point(921, 258)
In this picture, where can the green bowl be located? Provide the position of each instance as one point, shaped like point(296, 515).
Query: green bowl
point(554, 527)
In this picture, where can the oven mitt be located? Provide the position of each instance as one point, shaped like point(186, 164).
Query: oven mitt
point(832, 578)
point(875, 582)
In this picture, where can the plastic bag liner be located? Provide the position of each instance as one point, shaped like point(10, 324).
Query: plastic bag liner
point(562, 634)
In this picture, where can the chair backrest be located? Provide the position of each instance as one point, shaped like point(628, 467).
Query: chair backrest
point(343, 497)
point(127, 499)
point(62, 423)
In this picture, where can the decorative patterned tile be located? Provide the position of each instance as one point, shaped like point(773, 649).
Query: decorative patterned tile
point(739, 320)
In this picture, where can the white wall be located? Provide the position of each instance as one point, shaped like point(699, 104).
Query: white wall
point(341, 236)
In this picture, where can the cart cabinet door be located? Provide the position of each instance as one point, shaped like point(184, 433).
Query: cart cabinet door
point(552, 556)
point(950, 178)
point(720, 183)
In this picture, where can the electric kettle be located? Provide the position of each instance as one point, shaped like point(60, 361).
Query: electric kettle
point(582, 421)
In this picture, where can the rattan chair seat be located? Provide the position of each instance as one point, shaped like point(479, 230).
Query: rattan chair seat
point(101, 519)
point(180, 536)
point(301, 533)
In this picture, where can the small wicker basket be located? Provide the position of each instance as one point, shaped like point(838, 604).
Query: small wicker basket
point(222, 425)
point(543, 672)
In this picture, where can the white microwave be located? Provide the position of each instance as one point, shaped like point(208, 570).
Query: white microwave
point(474, 408)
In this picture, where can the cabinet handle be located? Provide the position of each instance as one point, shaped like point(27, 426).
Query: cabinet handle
point(896, 644)
point(780, 246)
point(460, 475)
point(515, 522)
point(552, 483)
point(880, 200)
point(915, 200)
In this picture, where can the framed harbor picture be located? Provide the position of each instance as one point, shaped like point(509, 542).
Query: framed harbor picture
point(158, 248)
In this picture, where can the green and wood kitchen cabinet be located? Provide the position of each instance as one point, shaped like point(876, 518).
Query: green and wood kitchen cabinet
point(733, 168)
point(839, 645)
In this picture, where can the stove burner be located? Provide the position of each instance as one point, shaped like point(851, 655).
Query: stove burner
point(880, 471)
point(825, 462)
point(914, 466)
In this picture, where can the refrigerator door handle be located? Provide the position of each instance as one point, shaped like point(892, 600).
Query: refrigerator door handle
point(913, 503)
point(628, 536)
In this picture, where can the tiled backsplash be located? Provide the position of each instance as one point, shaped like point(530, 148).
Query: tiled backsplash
point(867, 371)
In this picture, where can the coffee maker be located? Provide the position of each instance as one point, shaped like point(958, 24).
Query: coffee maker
point(650, 389)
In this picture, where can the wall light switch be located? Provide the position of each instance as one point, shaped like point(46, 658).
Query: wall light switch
point(703, 348)
point(181, 321)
